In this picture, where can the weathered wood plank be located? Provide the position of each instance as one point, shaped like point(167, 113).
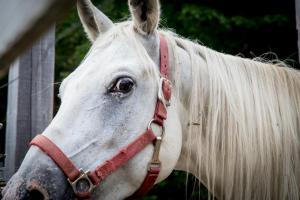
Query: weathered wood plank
point(30, 99)
point(298, 24)
point(23, 21)
point(2, 157)
point(42, 79)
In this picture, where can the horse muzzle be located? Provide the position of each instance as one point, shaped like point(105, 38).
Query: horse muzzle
point(38, 179)
point(23, 190)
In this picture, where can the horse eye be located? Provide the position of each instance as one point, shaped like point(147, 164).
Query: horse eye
point(122, 85)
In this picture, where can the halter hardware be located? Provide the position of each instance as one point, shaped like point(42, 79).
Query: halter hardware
point(155, 162)
point(163, 83)
point(83, 183)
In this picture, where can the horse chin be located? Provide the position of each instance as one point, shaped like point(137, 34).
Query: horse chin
point(38, 179)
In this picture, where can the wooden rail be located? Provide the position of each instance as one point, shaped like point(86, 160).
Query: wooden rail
point(30, 99)
point(298, 24)
point(23, 22)
point(2, 157)
point(31, 76)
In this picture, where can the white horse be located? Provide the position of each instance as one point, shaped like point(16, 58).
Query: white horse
point(234, 123)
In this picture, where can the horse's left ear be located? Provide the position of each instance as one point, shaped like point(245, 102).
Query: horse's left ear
point(145, 14)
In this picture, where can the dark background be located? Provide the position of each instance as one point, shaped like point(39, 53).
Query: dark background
point(246, 28)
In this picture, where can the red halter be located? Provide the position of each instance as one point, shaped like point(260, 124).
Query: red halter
point(82, 182)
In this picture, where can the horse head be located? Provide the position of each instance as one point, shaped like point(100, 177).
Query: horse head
point(106, 104)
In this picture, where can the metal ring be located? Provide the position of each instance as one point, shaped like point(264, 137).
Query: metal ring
point(82, 177)
point(162, 127)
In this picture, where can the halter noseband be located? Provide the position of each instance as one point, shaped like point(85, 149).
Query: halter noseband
point(83, 182)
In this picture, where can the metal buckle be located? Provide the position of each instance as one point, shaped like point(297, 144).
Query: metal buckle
point(161, 96)
point(155, 157)
point(82, 184)
point(155, 162)
point(153, 165)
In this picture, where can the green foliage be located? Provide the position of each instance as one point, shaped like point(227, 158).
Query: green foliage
point(71, 42)
point(232, 34)
point(179, 185)
point(235, 34)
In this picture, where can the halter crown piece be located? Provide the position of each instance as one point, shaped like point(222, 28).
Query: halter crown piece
point(83, 183)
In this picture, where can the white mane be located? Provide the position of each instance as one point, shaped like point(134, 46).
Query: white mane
point(246, 117)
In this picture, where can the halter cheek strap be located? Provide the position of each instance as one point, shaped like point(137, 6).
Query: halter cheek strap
point(83, 182)
point(160, 115)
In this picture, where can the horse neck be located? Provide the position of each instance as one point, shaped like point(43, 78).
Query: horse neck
point(240, 119)
point(190, 160)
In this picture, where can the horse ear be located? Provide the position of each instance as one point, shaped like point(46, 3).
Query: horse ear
point(145, 14)
point(93, 20)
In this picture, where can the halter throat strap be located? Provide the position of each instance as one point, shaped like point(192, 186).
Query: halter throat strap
point(83, 183)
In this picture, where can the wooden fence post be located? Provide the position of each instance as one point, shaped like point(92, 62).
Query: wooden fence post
point(30, 99)
point(298, 24)
point(23, 22)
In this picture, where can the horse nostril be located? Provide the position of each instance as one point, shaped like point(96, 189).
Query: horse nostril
point(34, 191)
point(35, 195)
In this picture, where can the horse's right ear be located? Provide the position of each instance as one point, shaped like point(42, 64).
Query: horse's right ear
point(93, 20)
point(145, 14)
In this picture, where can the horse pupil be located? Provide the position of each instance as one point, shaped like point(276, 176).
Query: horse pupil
point(125, 85)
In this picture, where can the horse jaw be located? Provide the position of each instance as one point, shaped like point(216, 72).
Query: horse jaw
point(169, 155)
